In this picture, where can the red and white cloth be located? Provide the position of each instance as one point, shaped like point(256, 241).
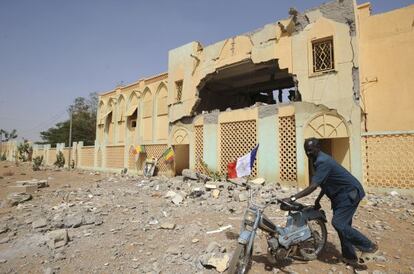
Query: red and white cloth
point(242, 166)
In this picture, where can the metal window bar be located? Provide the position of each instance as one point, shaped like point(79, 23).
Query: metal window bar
point(323, 55)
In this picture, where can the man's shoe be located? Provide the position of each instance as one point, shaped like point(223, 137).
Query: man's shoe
point(370, 254)
point(354, 264)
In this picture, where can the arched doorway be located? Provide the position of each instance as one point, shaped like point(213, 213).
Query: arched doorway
point(333, 132)
point(181, 145)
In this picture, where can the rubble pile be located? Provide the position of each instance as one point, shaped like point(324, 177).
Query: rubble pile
point(185, 224)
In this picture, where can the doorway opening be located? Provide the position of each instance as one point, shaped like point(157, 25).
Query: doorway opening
point(338, 149)
point(182, 158)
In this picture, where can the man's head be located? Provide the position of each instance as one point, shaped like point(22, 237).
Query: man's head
point(312, 147)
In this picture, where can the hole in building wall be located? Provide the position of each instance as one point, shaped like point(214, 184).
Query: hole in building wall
point(244, 84)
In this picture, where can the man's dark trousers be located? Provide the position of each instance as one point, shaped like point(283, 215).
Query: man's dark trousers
point(343, 213)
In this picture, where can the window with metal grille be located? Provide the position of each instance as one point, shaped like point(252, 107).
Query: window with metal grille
point(179, 90)
point(323, 55)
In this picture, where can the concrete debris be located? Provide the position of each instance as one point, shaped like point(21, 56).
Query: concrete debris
point(39, 223)
point(210, 186)
point(258, 181)
point(177, 199)
point(220, 262)
point(220, 229)
point(16, 198)
point(57, 238)
point(167, 225)
point(189, 174)
point(394, 193)
point(215, 193)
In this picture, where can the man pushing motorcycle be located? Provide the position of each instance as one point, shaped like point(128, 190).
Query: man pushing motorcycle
point(345, 193)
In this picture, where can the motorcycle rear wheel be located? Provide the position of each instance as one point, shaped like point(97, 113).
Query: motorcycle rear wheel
point(311, 248)
point(240, 261)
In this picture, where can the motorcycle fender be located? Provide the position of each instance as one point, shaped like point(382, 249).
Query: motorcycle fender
point(313, 214)
point(244, 237)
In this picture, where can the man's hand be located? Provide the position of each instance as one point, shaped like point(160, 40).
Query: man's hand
point(317, 205)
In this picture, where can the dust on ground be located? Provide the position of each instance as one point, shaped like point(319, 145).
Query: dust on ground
point(129, 224)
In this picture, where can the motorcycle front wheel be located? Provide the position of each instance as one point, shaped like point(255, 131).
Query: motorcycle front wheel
point(311, 248)
point(240, 261)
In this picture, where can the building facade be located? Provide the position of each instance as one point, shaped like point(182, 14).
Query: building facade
point(330, 72)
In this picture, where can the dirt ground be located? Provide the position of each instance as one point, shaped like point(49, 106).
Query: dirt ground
point(127, 224)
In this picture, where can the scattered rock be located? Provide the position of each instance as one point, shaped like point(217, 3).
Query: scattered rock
point(57, 238)
point(16, 198)
point(39, 223)
point(189, 174)
point(177, 199)
point(258, 181)
point(210, 186)
point(242, 197)
point(4, 240)
point(73, 221)
point(220, 262)
point(3, 261)
point(167, 225)
point(215, 193)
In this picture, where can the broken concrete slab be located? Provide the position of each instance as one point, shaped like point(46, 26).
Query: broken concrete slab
point(220, 262)
point(177, 199)
point(210, 186)
point(16, 198)
point(39, 223)
point(167, 225)
point(189, 174)
point(258, 181)
point(215, 193)
point(57, 238)
point(29, 189)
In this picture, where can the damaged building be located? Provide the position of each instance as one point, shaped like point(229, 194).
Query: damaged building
point(310, 75)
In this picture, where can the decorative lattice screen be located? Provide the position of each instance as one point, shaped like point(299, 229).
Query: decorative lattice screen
point(156, 151)
point(198, 148)
point(389, 160)
point(236, 140)
point(287, 149)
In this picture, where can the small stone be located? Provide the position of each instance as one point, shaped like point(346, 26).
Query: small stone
point(215, 193)
point(4, 240)
point(242, 197)
point(57, 238)
point(195, 240)
point(3, 261)
point(170, 194)
point(73, 221)
point(258, 181)
point(189, 174)
point(220, 262)
point(42, 222)
point(210, 186)
point(167, 225)
point(177, 199)
point(14, 199)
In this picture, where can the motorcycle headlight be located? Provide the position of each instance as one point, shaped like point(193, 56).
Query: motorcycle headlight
point(250, 217)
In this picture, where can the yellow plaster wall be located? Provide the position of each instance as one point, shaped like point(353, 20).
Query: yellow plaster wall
point(115, 156)
point(386, 46)
point(87, 156)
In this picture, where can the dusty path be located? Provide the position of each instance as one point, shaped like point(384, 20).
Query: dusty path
point(126, 225)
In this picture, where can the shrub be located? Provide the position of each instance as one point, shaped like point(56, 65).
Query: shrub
point(25, 151)
point(60, 160)
point(37, 162)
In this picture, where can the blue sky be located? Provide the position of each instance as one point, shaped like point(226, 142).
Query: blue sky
point(52, 51)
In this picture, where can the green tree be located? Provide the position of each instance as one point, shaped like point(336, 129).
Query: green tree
point(83, 123)
point(7, 135)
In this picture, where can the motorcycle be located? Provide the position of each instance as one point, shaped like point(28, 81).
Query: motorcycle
point(305, 233)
